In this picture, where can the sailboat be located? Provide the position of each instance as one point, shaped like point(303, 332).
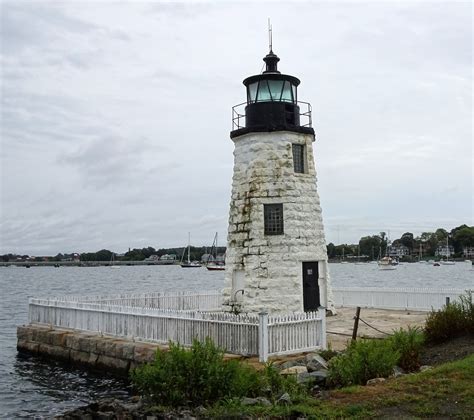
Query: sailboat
point(420, 255)
point(342, 260)
point(189, 263)
point(112, 262)
point(214, 265)
point(447, 261)
point(358, 257)
point(386, 263)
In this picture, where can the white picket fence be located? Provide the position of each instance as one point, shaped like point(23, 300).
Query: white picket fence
point(182, 301)
point(417, 299)
point(249, 335)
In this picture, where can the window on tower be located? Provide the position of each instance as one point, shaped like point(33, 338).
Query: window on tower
point(299, 158)
point(273, 219)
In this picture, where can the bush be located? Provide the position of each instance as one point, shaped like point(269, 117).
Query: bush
point(452, 320)
point(200, 376)
point(408, 344)
point(363, 360)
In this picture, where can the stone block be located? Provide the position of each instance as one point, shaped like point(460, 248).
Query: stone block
point(24, 333)
point(41, 334)
point(125, 350)
point(109, 348)
point(87, 343)
point(80, 357)
point(71, 341)
point(55, 352)
point(27, 346)
point(57, 338)
point(144, 353)
point(113, 363)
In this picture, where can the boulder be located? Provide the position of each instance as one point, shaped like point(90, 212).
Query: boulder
point(315, 362)
point(284, 399)
point(398, 371)
point(375, 381)
point(295, 370)
point(291, 363)
point(255, 401)
point(425, 367)
point(317, 377)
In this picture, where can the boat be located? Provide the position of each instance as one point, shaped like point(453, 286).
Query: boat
point(358, 257)
point(112, 262)
point(342, 260)
point(447, 261)
point(189, 263)
point(420, 255)
point(386, 263)
point(214, 265)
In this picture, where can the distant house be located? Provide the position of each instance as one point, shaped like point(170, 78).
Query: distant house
point(152, 258)
point(468, 252)
point(444, 251)
point(168, 257)
point(398, 251)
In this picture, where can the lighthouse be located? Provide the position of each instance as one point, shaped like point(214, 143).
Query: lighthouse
point(276, 258)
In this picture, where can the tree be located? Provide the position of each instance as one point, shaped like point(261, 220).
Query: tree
point(407, 240)
point(369, 245)
point(331, 250)
point(463, 237)
point(103, 255)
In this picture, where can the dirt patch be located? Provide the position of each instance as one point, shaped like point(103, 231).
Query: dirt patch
point(455, 349)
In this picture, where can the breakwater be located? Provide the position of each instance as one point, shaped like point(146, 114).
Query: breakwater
point(93, 351)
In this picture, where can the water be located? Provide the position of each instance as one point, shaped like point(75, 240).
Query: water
point(31, 387)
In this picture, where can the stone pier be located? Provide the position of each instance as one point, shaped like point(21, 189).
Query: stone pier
point(89, 350)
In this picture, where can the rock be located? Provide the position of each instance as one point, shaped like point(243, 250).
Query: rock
point(375, 381)
point(284, 399)
point(425, 367)
point(315, 362)
point(310, 377)
point(291, 363)
point(398, 371)
point(295, 370)
point(255, 401)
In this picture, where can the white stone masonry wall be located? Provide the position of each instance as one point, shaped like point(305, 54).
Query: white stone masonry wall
point(269, 268)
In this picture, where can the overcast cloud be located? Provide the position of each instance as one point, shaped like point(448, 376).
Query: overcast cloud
point(115, 116)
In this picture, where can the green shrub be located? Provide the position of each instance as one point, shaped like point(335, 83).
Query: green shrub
point(328, 354)
point(200, 376)
point(363, 360)
point(408, 344)
point(452, 320)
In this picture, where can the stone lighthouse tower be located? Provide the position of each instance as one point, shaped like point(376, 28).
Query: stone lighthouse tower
point(276, 256)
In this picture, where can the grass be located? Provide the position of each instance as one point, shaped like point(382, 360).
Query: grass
point(445, 391)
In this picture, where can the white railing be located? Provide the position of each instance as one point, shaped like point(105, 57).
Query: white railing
point(261, 335)
point(205, 301)
point(419, 299)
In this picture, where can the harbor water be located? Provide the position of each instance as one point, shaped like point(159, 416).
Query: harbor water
point(31, 387)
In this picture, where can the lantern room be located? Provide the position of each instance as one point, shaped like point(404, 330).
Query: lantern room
point(272, 103)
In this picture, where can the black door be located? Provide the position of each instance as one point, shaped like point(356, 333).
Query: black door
point(311, 299)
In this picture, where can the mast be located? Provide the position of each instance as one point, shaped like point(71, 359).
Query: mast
point(189, 247)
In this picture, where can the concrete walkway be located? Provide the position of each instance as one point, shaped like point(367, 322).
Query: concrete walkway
point(383, 319)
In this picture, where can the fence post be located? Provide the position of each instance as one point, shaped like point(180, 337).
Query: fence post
point(356, 324)
point(263, 336)
point(322, 315)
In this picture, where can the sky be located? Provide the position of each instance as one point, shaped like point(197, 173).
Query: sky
point(115, 116)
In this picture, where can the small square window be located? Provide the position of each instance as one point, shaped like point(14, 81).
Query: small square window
point(298, 158)
point(273, 219)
